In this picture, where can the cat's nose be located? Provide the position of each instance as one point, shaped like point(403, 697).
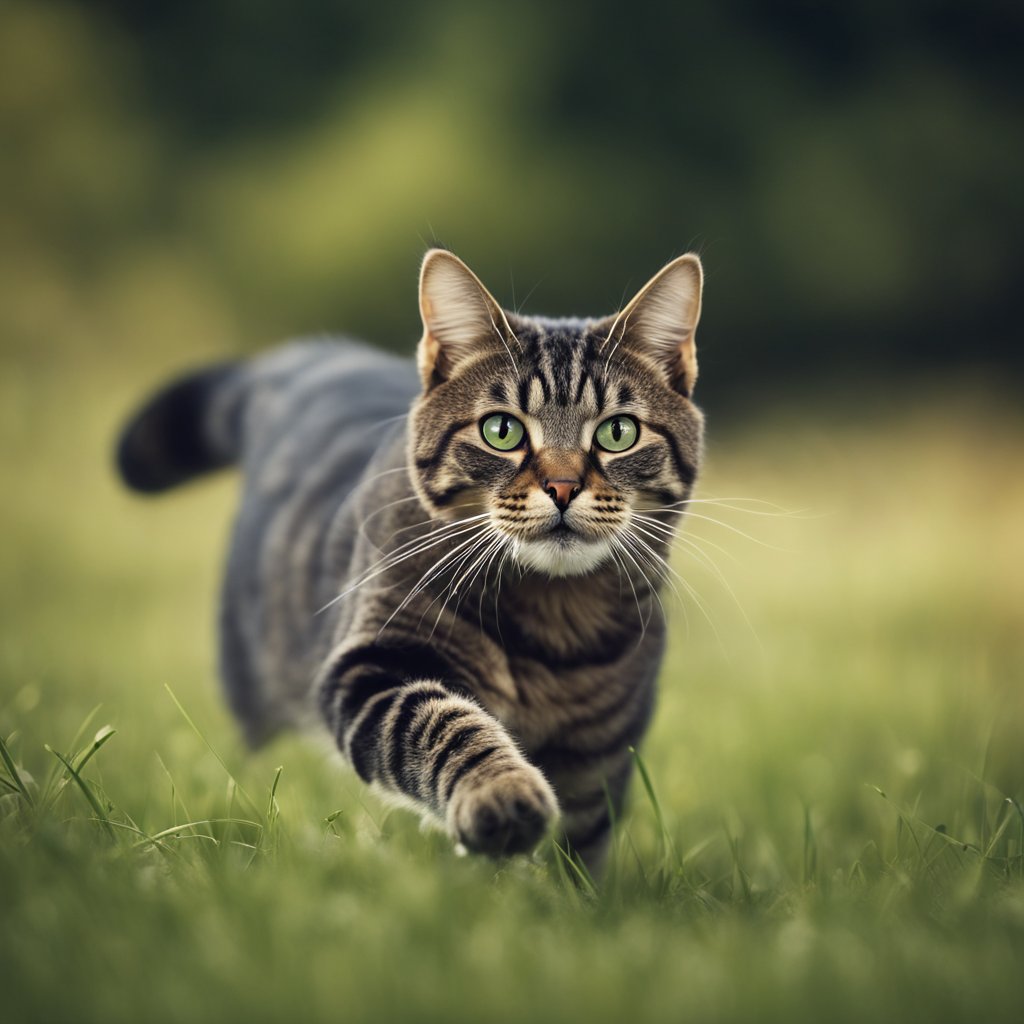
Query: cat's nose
point(561, 492)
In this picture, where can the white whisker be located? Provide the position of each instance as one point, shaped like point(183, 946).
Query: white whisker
point(506, 555)
point(515, 367)
point(428, 520)
point(616, 543)
point(770, 509)
point(674, 534)
point(690, 589)
point(470, 576)
point(433, 572)
point(718, 522)
point(405, 551)
point(707, 560)
point(503, 543)
point(473, 556)
point(654, 566)
point(383, 508)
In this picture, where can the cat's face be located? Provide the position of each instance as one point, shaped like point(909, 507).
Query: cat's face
point(555, 433)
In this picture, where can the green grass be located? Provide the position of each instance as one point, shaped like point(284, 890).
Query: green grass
point(832, 828)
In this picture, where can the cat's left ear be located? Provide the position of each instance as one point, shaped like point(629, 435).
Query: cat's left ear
point(461, 319)
point(660, 322)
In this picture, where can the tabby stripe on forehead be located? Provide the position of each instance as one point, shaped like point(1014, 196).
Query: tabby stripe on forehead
point(524, 393)
point(429, 461)
point(578, 397)
point(498, 392)
point(561, 374)
point(546, 384)
point(524, 389)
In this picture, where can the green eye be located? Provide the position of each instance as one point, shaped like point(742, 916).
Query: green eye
point(502, 431)
point(617, 433)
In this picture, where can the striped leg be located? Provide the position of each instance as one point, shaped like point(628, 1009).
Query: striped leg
point(419, 738)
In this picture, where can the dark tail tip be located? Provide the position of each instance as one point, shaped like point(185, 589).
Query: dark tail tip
point(170, 440)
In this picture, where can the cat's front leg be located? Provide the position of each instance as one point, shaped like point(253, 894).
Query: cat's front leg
point(421, 738)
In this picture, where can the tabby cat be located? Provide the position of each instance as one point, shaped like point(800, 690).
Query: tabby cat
point(453, 567)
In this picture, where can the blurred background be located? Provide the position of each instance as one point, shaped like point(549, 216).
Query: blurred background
point(216, 175)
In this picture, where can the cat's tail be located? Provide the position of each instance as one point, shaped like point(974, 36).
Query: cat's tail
point(190, 427)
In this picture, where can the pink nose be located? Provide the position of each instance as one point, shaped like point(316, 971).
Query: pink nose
point(562, 492)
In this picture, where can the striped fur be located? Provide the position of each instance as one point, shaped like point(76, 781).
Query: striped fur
point(478, 629)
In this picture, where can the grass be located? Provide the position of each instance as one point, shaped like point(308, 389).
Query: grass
point(827, 823)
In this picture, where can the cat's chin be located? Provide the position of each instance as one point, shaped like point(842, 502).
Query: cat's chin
point(561, 558)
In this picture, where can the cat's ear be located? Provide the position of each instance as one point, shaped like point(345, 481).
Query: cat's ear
point(660, 322)
point(461, 319)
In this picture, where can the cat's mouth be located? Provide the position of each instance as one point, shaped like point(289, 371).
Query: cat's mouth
point(564, 533)
point(562, 550)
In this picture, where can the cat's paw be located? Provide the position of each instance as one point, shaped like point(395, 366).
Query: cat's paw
point(502, 815)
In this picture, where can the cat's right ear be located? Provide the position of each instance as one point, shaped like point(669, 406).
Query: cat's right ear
point(461, 319)
point(661, 320)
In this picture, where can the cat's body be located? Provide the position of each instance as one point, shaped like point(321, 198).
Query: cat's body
point(465, 618)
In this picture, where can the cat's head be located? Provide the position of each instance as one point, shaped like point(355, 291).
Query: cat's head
point(556, 433)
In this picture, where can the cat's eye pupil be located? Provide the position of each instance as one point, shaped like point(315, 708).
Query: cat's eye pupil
point(617, 434)
point(502, 431)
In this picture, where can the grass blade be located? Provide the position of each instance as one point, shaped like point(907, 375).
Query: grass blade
point(84, 787)
point(175, 830)
point(99, 740)
point(16, 780)
point(273, 810)
point(666, 838)
point(210, 747)
point(579, 874)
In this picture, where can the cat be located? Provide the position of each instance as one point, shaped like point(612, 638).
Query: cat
point(453, 565)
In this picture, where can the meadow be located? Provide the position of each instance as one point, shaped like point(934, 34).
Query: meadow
point(833, 826)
